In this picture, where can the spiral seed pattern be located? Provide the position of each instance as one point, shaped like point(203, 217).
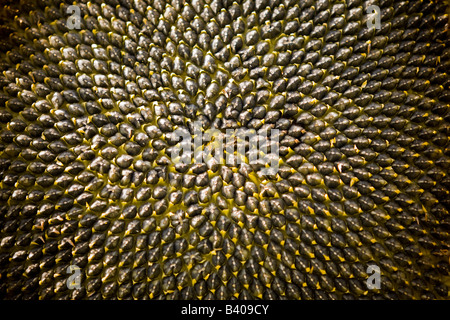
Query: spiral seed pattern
point(87, 120)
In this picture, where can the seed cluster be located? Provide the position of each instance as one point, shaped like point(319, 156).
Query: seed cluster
point(87, 121)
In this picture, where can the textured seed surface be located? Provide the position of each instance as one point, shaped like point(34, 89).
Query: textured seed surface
point(86, 124)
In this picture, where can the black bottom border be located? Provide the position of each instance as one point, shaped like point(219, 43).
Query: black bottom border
point(262, 309)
